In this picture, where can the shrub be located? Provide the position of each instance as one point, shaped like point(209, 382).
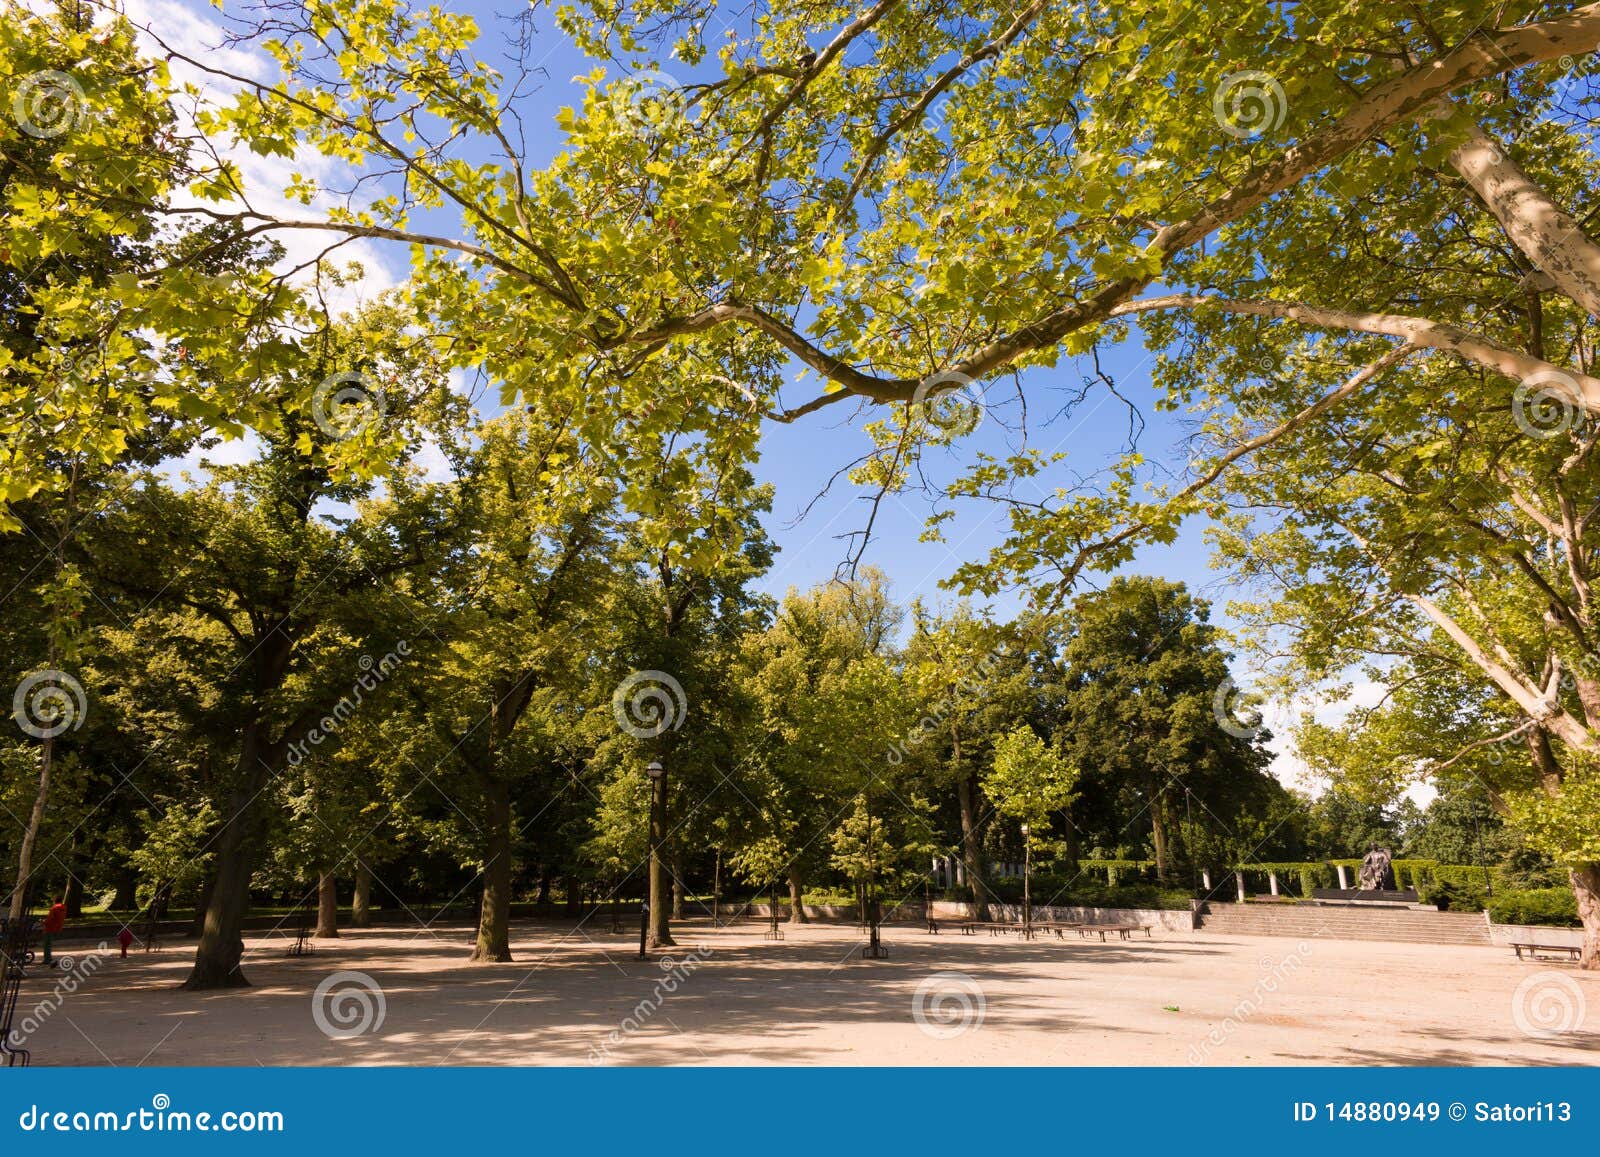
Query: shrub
point(1454, 896)
point(1557, 906)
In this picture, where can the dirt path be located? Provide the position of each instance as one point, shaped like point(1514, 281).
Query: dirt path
point(731, 997)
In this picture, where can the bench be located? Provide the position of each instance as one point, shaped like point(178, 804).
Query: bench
point(1547, 951)
point(1123, 931)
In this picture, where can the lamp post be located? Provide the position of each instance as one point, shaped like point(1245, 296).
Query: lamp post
point(659, 937)
point(1027, 894)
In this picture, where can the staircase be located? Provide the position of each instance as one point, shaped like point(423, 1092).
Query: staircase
point(1305, 921)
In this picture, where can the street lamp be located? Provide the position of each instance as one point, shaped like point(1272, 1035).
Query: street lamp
point(658, 784)
point(1027, 895)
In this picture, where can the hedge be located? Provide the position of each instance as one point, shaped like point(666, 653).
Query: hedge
point(1557, 906)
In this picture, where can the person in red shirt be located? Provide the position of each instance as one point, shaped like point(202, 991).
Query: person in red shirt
point(125, 938)
point(54, 922)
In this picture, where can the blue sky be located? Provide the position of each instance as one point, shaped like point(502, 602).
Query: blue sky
point(800, 459)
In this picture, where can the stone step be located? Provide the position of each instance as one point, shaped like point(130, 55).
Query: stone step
point(1300, 920)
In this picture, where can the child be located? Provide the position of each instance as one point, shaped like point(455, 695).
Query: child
point(125, 938)
point(55, 920)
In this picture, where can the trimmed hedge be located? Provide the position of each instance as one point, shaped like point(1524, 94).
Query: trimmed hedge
point(1554, 906)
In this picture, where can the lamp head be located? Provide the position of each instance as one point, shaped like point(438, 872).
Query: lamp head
point(655, 770)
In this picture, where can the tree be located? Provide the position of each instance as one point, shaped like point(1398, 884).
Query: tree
point(1029, 780)
point(1143, 673)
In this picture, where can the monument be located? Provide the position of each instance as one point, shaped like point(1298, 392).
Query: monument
point(1376, 883)
point(1377, 871)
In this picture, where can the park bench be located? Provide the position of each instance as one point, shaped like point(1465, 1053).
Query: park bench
point(1123, 931)
point(1547, 951)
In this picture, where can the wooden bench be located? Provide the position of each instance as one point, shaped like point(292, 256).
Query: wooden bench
point(1123, 931)
point(1547, 951)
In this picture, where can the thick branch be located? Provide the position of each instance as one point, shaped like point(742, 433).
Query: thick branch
point(1547, 235)
point(1584, 390)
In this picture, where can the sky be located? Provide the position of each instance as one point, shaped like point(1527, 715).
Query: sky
point(800, 459)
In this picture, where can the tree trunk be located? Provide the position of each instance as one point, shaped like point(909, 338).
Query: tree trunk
point(72, 896)
point(1158, 833)
point(327, 906)
point(1586, 886)
point(361, 898)
point(30, 834)
point(972, 845)
point(797, 894)
point(544, 887)
point(202, 902)
point(678, 910)
point(221, 946)
point(660, 899)
point(494, 914)
point(127, 896)
point(574, 896)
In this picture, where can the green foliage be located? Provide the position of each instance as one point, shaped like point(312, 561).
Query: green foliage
point(1554, 906)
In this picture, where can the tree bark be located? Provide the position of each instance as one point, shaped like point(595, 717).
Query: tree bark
point(972, 844)
point(127, 896)
point(30, 835)
point(1586, 886)
point(797, 895)
point(574, 896)
point(361, 897)
point(678, 903)
point(660, 887)
point(327, 906)
point(1158, 833)
point(494, 914)
point(72, 895)
point(1547, 235)
point(221, 946)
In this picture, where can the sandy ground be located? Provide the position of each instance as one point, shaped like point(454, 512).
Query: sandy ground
point(574, 997)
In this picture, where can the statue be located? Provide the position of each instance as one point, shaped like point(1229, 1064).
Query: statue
point(1376, 873)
